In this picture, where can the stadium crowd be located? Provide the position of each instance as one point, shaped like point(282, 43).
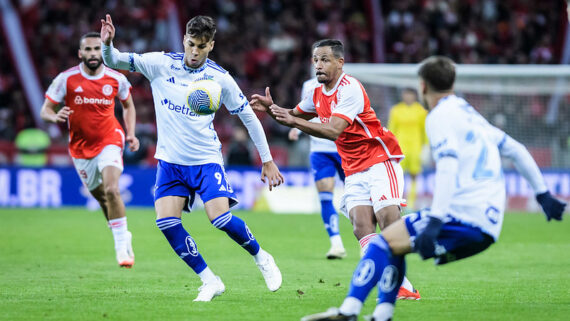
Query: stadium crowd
point(267, 43)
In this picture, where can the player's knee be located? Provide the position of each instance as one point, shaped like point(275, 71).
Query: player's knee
point(112, 193)
point(387, 216)
point(361, 229)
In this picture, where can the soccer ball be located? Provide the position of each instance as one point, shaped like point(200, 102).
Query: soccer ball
point(204, 96)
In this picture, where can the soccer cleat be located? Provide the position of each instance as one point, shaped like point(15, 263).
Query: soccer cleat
point(126, 257)
point(270, 271)
point(404, 294)
point(210, 290)
point(332, 314)
point(336, 252)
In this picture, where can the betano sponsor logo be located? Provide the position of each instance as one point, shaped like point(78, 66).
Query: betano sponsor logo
point(180, 109)
point(96, 101)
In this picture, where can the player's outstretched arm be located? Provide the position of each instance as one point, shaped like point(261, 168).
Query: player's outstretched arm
point(111, 56)
point(49, 114)
point(130, 116)
point(527, 167)
point(269, 173)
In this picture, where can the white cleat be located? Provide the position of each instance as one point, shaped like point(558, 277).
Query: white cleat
point(270, 271)
point(126, 256)
point(210, 290)
point(336, 252)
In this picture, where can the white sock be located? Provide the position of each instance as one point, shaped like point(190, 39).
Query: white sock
point(350, 306)
point(384, 311)
point(260, 256)
point(407, 285)
point(119, 229)
point(336, 241)
point(207, 275)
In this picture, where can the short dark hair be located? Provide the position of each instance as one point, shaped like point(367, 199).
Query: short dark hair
point(336, 46)
point(90, 34)
point(202, 27)
point(438, 72)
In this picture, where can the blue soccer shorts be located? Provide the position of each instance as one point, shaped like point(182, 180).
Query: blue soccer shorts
point(325, 165)
point(208, 180)
point(455, 241)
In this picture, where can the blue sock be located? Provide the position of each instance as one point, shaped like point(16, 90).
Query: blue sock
point(238, 231)
point(378, 266)
point(182, 243)
point(328, 213)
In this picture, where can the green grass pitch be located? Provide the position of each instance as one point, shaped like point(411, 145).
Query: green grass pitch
point(58, 264)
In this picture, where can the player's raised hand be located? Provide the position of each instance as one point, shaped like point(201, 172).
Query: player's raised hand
point(270, 174)
point(552, 207)
point(107, 30)
point(62, 115)
point(261, 103)
point(133, 142)
point(282, 115)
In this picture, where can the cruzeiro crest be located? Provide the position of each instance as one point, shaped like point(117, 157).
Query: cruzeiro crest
point(389, 279)
point(364, 272)
point(191, 247)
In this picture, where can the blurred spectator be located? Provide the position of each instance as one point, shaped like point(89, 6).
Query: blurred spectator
point(239, 152)
point(32, 144)
point(268, 43)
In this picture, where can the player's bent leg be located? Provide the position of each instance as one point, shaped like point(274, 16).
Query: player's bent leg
point(111, 175)
point(329, 215)
point(117, 219)
point(99, 194)
point(168, 212)
point(379, 266)
point(217, 210)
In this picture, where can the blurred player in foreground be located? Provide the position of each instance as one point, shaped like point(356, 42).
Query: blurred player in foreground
point(469, 198)
point(370, 153)
point(96, 139)
point(407, 122)
point(189, 152)
point(325, 163)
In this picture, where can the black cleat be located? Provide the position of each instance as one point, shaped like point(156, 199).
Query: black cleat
point(332, 314)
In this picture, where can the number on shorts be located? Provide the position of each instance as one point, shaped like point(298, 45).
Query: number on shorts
point(218, 176)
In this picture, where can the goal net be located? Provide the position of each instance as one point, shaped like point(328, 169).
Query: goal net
point(529, 102)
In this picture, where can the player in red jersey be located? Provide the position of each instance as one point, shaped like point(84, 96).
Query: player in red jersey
point(96, 139)
point(370, 153)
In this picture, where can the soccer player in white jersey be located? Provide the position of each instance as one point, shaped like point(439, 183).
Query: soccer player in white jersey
point(189, 151)
point(325, 163)
point(469, 197)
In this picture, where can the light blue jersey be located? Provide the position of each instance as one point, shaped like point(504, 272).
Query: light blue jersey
point(185, 138)
point(456, 129)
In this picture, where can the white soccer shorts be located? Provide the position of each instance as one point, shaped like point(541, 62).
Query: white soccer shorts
point(90, 170)
point(379, 186)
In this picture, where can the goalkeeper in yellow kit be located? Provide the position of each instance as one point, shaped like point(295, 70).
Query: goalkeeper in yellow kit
point(407, 119)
